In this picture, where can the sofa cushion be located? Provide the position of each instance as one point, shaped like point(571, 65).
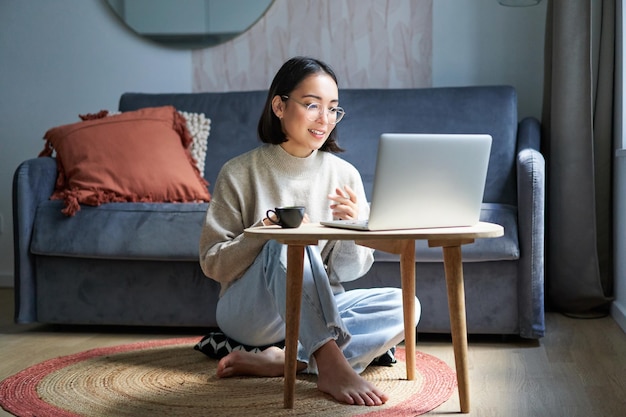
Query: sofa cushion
point(500, 249)
point(483, 109)
point(134, 156)
point(103, 232)
point(137, 231)
point(490, 110)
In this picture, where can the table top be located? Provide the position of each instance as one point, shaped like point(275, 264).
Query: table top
point(316, 231)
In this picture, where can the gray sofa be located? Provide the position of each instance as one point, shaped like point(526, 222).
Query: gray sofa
point(137, 263)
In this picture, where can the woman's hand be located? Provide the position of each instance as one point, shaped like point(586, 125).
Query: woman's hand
point(344, 205)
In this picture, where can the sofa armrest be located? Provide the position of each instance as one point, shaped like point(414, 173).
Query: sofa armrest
point(529, 134)
point(33, 182)
point(531, 220)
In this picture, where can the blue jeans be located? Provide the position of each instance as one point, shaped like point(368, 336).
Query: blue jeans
point(365, 323)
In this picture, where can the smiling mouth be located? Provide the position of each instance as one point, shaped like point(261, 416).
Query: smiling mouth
point(317, 132)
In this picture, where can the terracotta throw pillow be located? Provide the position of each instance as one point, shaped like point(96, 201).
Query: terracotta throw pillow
point(198, 124)
point(138, 156)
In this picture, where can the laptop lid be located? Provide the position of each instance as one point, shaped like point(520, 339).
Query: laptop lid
point(429, 180)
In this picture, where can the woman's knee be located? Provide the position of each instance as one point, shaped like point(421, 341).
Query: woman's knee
point(418, 310)
point(397, 292)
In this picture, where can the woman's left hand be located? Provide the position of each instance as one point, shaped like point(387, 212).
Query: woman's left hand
point(345, 205)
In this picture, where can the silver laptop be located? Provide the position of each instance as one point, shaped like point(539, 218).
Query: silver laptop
point(426, 180)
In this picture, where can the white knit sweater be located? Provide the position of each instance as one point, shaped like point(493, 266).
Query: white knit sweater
point(267, 177)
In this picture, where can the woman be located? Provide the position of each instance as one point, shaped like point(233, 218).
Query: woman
point(341, 332)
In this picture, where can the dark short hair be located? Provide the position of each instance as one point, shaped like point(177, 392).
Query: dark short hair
point(287, 79)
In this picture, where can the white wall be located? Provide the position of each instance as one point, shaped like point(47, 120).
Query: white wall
point(58, 59)
point(479, 42)
point(64, 57)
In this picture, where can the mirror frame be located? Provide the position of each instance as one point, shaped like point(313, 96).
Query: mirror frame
point(184, 41)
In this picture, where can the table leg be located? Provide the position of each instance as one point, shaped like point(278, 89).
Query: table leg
point(295, 268)
point(456, 303)
point(407, 274)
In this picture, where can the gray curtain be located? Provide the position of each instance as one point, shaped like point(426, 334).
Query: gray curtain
point(578, 131)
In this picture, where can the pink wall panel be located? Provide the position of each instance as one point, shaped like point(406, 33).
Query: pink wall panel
point(369, 43)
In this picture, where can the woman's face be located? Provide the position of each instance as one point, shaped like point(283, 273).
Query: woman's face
point(303, 135)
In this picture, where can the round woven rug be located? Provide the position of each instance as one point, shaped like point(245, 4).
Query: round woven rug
point(170, 378)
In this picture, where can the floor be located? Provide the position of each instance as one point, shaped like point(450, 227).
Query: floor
point(577, 369)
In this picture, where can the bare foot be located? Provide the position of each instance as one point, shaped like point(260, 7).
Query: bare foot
point(337, 378)
point(269, 363)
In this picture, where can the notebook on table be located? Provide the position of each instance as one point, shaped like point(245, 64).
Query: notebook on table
point(426, 180)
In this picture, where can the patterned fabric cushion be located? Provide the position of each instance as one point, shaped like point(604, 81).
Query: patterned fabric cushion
point(386, 359)
point(217, 345)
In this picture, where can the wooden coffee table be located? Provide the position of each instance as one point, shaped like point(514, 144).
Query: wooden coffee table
point(401, 242)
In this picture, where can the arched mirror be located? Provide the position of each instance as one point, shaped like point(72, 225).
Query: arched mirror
point(189, 24)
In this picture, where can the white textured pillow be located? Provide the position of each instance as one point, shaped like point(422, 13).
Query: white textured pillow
point(199, 127)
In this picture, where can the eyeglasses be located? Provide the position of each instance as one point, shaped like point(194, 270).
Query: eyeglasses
point(315, 110)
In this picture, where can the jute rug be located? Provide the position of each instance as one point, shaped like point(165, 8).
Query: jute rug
point(170, 378)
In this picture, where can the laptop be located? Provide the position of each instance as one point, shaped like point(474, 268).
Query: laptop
point(426, 181)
